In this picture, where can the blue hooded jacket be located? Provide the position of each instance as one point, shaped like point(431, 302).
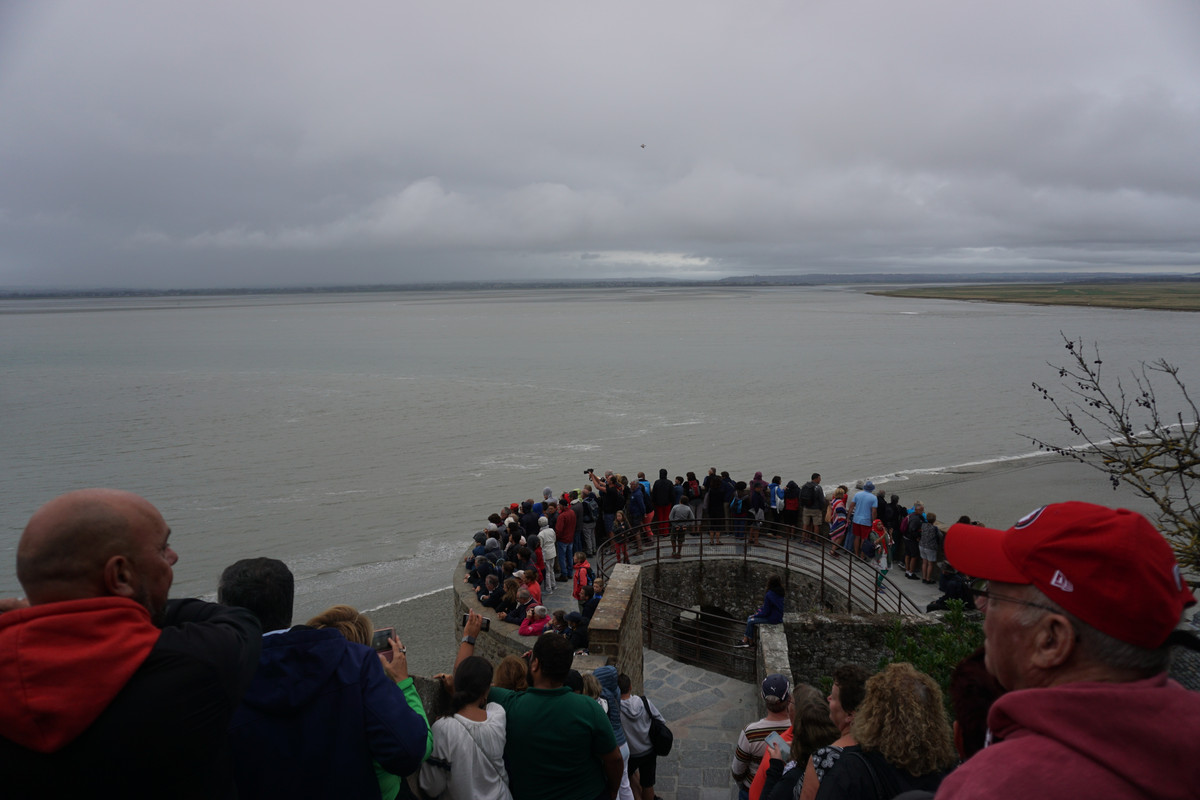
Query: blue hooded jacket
point(319, 710)
point(612, 695)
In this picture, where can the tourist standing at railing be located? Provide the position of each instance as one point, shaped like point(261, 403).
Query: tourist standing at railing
point(789, 515)
point(620, 536)
point(635, 511)
point(863, 509)
point(910, 529)
point(931, 538)
point(662, 497)
point(682, 520)
point(612, 497)
point(714, 505)
point(837, 518)
point(587, 511)
point(580, 579)
point(775, 498)
point(564, 530)
point(694, 492)
point(549, 554)
point(812, 507)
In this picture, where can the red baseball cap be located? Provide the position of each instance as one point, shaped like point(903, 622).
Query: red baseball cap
point(1110, 568)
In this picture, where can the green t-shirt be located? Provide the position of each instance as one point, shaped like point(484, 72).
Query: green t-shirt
point(556, 739)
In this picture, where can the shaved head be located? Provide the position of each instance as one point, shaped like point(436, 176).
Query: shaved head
point(96, 543)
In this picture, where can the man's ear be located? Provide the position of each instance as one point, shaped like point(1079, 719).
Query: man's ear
point(1054, 642)
point(119, 577)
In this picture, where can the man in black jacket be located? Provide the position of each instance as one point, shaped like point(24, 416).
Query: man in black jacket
point(662, 496)
point(111, 690)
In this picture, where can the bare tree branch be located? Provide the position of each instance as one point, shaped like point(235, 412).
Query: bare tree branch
point(1131, 439)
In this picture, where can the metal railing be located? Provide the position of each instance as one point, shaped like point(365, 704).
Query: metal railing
point(846, 582)
point(704, 636)
point(698, 637)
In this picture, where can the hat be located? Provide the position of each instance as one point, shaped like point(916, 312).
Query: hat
point(869, 486)
point(575, 617)
point(480, 537)
point(776, 688)
point(491, 544)
point(514, 505)
point(1110, 568)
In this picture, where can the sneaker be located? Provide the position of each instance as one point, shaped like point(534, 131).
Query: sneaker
point(911, 576)
point(742, 645)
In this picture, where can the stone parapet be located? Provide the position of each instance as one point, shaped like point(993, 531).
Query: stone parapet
point(615, 630)
point(817, 643)
point(773, 657)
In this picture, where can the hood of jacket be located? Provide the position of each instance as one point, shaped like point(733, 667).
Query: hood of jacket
point(297, 664)
point(1141, 734)
point(61, 664)
point(633, 707)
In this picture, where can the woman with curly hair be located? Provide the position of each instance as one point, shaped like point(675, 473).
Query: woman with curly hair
point(904, 740)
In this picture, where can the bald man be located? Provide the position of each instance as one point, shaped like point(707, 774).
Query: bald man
point(109, 688)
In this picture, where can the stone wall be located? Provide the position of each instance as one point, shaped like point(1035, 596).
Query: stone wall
point(733, 585)
point(616, 628)
point(817, 643)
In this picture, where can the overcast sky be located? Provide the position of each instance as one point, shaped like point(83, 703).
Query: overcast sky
point(206, 144)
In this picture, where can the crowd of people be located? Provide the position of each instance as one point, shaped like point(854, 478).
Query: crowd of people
point(1068, 697)
point(111, 689)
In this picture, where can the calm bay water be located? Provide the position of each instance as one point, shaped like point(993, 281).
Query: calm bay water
point(362, 438)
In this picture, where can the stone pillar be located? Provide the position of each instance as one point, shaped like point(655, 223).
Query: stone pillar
point(616, 627)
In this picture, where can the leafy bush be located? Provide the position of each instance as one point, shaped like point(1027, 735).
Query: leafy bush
point(936, 649)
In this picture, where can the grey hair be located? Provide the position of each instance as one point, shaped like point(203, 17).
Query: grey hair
point(1095, 645)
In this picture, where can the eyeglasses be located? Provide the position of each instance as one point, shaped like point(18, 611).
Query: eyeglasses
point(983, 597)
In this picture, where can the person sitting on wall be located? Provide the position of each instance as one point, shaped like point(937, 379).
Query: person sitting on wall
point(534, 622)
point(769, 613)
point(520, 611)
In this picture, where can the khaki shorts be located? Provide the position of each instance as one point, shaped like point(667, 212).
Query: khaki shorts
point(812, 518)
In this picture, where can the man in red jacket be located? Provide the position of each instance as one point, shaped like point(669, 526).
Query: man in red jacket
point(1081, 608)
point(111, 690)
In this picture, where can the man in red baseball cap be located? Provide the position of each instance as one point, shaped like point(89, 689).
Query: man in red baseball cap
point(1081, 605)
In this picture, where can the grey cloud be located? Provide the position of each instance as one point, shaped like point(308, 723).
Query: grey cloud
point(216, 143)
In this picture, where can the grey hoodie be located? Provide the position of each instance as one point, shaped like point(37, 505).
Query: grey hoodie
point(636, 723)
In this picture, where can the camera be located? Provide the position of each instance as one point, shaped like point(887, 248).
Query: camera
point(380, 643)
point(588, 471)
point(486, 626)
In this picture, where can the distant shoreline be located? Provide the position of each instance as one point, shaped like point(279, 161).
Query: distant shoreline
point(1012, 280)
point(1153, 295)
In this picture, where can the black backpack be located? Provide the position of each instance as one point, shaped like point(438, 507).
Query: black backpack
point(808, 495)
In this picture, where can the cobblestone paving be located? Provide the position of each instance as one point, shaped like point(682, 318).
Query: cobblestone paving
point(705, 711)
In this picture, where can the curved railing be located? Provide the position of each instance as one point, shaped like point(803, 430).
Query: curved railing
point(859, 586)
point(704, 637)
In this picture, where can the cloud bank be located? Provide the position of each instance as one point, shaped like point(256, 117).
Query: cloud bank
point(231, 144)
